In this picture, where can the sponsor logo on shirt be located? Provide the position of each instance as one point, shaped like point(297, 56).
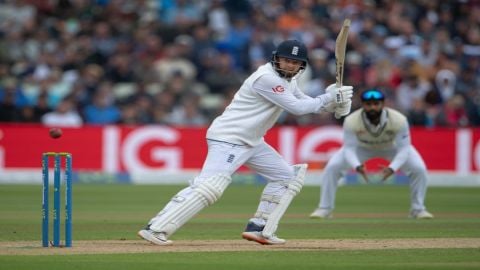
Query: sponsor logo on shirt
point(278, 89)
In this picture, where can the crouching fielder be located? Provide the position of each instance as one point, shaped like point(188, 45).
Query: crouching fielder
point(235, 138)
point(375, 131)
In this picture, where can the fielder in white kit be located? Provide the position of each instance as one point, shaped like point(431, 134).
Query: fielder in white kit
point(375, 131)
point(235, 138)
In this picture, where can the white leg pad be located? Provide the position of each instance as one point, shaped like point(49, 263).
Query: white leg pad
point(204, 194)
point(269, 199)
point(293, 189)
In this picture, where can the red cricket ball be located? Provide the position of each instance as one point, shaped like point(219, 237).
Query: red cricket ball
point(55, 133)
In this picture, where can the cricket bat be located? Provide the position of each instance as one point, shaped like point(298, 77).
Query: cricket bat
point(340, 48)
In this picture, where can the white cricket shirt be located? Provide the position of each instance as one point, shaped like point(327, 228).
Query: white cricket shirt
point(392, 133)
point(257, 105)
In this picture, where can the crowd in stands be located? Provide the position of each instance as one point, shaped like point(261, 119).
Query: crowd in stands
point(179, 62)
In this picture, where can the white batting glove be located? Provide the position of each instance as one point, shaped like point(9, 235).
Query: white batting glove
point(330, 107)
point(340, 94)
point(343, 109)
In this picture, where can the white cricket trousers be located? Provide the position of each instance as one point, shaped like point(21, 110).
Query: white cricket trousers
point(226, 158)
point(338, 166)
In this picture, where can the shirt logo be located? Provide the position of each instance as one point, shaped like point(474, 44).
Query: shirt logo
point(295, 50)
point(230, 158)
point(278, 89)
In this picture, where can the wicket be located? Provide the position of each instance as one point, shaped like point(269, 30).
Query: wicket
point(56, 198)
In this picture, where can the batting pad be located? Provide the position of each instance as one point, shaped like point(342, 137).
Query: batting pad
point(204, 194)
point(293, 189)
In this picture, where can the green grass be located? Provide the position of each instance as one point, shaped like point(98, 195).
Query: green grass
point(106, 212)
point(447, 259)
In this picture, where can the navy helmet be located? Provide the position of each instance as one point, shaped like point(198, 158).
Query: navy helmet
point(292, 49)
point(372, 94)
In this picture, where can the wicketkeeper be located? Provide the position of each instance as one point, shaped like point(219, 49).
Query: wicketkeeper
point(375, 131)
point(235, 138)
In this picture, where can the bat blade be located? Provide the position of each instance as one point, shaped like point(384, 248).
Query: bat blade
point(340, 48)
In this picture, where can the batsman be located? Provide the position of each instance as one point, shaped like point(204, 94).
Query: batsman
point(236, 138)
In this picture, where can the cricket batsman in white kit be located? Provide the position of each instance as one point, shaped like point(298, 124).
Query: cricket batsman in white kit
point(236, 138)
point(375, 131)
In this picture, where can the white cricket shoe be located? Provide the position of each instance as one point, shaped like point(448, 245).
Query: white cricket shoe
point(156, 238)
point(253, 232)
point(259, 238)
point(321, 213)
point(420, 214)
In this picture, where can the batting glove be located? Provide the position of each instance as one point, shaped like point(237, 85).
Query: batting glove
point(343, 109)
point(340, 94)
point(330, 107)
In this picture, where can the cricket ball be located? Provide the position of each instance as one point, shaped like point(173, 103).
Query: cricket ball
point(55, 133)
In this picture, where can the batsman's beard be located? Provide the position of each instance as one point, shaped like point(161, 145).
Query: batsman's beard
point(288, 74)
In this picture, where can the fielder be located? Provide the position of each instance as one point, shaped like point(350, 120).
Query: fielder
point(375, 131)
point(235, 138)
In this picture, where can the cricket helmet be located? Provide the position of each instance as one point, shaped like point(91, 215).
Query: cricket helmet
point(292, 49)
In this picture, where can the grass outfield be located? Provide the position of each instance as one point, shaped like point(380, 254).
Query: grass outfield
point(367, 213)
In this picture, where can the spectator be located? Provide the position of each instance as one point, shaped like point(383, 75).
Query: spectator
point(103, 40)
point(410, 89)
point(435, 116)
point(417, 115)
point(259, 49)
point(320, 73)
point(67, 49)
point(143, 108)
point(188, 113)
point(8, 108)
point(218, 19)
point(103, 110)
point(455, 113)
point(129, 115)
point(12, 99)
point(445, 82)
point(236, 42)
point(120, 69)
point(180, 13)
point(34, 114)
point(173, 63)
point(64, 115)
point(223, 75)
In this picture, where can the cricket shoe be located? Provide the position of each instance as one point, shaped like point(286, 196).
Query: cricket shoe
point(321, 213)
point(253, 232)
point(157, 238)
point(420, 214)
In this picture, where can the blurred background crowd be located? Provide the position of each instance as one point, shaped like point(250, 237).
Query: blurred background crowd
point(179, 62)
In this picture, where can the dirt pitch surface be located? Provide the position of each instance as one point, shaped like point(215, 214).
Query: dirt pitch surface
point(140, 246)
